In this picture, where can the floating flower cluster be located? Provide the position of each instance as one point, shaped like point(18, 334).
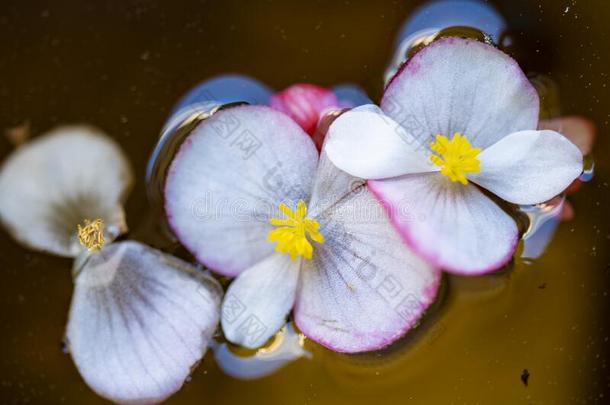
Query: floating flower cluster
point(479, 95)
point(139, 318)
point(351, 236)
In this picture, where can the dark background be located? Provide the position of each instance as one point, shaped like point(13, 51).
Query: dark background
point(120, 65)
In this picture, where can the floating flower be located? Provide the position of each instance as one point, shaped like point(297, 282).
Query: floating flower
point(459, 116)
point(248, 196)
point(139, 319)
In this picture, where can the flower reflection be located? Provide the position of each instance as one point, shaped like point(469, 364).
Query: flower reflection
point(285, 347)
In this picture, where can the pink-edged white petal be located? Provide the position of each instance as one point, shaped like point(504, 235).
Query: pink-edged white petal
point(456, 227)
point(259, 300)
point(529, 167)
point(363, 288)
point(52, 184)
point(366, 143)
point(227, 180)
point(140, 320)
point(461, 85)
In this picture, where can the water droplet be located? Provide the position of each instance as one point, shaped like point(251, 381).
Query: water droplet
point(588, 169)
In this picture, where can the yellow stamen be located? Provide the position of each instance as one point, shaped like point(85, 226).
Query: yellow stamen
point(455, 157)
point(91, 235)
point(293, 231)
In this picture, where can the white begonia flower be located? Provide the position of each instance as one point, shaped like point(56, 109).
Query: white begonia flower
point(459, 115)
point(329, 252)
point(140, 319)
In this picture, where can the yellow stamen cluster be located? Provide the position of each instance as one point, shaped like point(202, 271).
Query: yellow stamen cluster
point(91, 235)
point(456, 157)
point(293, 231)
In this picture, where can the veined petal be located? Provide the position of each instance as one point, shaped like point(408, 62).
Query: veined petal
point(456, 227)
point(529, 167)
point(139, 321)
point(259, 300)
point(461, 85)
point(227, 180)
point(52, 184)
point(366, 143)
point(363, 288)
point(331, 185)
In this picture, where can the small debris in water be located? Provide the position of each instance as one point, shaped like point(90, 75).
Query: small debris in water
point(542, 286)
point(65, 346)
point(525, 376)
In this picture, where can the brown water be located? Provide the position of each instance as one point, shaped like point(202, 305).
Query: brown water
point(122, 64)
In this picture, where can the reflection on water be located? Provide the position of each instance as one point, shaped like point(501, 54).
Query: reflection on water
point(286, 346)
point(425, 23)
point(543, 221)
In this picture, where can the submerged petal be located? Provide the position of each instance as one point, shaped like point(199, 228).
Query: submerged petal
point(580, 130)
point(139, 321)
point(52, 184)
point(366, 143)
point(227, 180)
point(304, 103)
point(461, 85)
point(454, 226)
point(364, 288)
point(259, 299)
point(529, 167)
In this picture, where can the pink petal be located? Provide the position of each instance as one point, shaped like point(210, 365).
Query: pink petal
point(455, 227)
point(304, 103)
point(227, 180)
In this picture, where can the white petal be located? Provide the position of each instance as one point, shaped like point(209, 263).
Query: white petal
point(580, 130)
point(529, 167)
point(53, 183)
point(461, 85)
point(259, 299)
point(368, 144)
point(454, 226)
point(139, 321)
point(363, 288)
point(228, 179)
point(330, 186)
